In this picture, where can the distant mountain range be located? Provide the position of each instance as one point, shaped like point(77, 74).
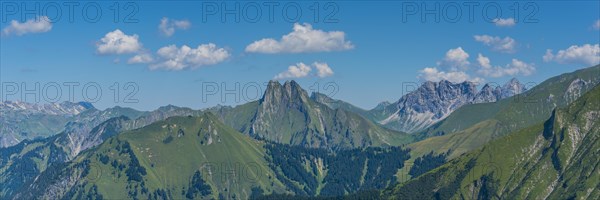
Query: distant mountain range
point(428, 104)
point(416, 110)
point(21, 120)
point(64, 108)
point(433, 102)
point(290, 144)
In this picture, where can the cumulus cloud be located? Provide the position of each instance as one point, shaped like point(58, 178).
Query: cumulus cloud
point(596, 25)
point(508, 22)
point(456, 59)
point(117, 42)
point(435, 75)
point(323, 69)
point(301, 70)
point(40, 24)
point(143, 58)
point(168, 26)
point(516, 67)
point(174, 58)
point(303, 39)
point(453, 67)
point(586, 54)
point(504, 45)
point(484, 61)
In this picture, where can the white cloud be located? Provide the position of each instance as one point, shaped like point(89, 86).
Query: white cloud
point(117, 42)
point(168, 26)
point(483, 61)
point(143, 58)
point(301, 70)
point(504, 45)
point(504, 22)
point(597, 25)
point(303, 39)
point(516, 67)
point(173, 58)
point(586, 54)
point(435, 75)
point(323, 69)
point(549, 56)
point(38, 25)
point(456, 59)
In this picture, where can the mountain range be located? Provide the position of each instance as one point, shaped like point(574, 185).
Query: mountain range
point(462, 143)
point(429, 103)
point(22, 120)
point(286, 114)
point(200, 157)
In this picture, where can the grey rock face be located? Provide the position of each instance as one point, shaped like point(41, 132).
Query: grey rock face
point(64, 108)
point(433, 101)
point(287, 114)
point(576, 89)
point(513, 87)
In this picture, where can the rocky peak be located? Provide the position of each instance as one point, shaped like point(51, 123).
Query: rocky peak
point(433, 101)
point(428, 85)
point(512, 88)
point(443, 90)
point(382, 105)
point(490, 94)
point(486, 88)
point(289, 92)
point(487, 94)
point(273, 92)
point(294, 91)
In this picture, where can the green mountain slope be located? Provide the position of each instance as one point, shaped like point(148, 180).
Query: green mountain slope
point(25, 161)
point(339, 104)
point(524, 109)
point(180, 157)
point(472, 126)
point(317, 172)
point(286, 114)
point(199, 157)
point(557, 159)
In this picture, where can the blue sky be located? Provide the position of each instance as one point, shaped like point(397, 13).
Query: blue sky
point(373, 51)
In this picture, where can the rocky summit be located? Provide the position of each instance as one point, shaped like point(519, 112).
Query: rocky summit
point(433, 101)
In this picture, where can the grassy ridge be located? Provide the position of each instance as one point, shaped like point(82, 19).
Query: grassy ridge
point(162, 158)
point(557, 159)
point(519, 111)
point(472, 126)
